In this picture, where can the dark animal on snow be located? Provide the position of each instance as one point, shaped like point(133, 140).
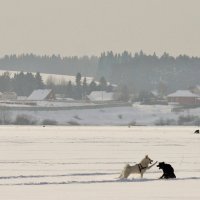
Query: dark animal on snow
point(197, 131)
point(168, 171)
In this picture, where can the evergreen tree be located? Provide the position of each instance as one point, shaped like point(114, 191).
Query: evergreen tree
point(31, 84)
point(69, 90)
point(122, 93)
point(78, 89)
point(78, 79)
point(24, 84)
point(92, 86)
point(84, 88)
point(5, 82)
point(19, 84)
point(50, 82)
point(102, 84)
point(39, 81)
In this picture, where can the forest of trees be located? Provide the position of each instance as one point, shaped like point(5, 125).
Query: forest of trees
point(138, 72)
point(149, 72)
point(87, 66)
point(23, 84)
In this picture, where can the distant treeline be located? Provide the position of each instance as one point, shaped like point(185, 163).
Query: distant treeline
point(149, 72)
point(87, 66)
point(139, 72)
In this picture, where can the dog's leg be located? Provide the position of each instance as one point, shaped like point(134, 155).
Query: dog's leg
point(126, 172)
point(141, 175)
point(166, 176)
point(122, 175)
point(162, 176)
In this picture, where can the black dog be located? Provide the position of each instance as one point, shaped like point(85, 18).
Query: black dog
point(168, 171)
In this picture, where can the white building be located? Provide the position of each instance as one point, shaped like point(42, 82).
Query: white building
point(8, 96)
point(100, 96)
point(41, 95)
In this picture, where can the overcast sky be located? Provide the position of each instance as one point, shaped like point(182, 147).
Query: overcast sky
point(89, 27)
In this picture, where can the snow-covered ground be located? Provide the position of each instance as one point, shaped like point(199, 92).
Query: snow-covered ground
point(81, 163)
point(137, 114)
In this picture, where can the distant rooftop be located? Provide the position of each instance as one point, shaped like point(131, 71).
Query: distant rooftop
point(39, 94)
point(101, 96)
point(183, 93)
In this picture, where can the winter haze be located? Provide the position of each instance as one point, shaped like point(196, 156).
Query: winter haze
point(94, 94)
point(90, 27)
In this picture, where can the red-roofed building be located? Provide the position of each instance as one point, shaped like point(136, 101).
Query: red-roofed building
point(184, 97)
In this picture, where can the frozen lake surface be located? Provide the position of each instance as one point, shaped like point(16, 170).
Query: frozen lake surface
point(79, 163)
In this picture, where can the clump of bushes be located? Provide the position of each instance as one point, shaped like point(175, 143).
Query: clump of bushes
point(77, 117)
point(73, 123)
point(5, 117)
point(5, 122)
point(120, 116)
point(49, 122)
point(24, 120)
point(165, 122)
point(188, 120)
point(132, 123)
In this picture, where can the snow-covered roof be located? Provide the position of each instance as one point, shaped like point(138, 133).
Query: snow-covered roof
point(39, 94)
point(154, 92)
point(100, 96)
point(183, 93)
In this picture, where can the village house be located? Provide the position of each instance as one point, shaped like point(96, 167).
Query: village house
point(184, 97)
point(42, 95)
point(100, 96)
point(8, 96)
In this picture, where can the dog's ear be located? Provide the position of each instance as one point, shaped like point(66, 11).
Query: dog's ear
point(146, 156)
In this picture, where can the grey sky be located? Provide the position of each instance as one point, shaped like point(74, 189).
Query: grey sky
point(86, 27)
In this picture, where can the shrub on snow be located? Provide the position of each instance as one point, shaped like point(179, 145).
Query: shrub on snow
point(24, 120)
point(49, 122)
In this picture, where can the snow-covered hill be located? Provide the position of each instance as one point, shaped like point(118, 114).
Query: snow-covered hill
point(57, 78)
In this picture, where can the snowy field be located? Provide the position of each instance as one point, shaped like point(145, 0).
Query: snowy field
point(83, 163)
point(137, 114)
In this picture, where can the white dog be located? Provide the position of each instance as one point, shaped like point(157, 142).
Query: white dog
point(138, 168)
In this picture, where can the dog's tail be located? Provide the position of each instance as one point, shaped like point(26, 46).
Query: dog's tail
point(122, 175)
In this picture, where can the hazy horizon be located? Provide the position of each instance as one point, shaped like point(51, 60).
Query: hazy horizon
point(89, 27)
